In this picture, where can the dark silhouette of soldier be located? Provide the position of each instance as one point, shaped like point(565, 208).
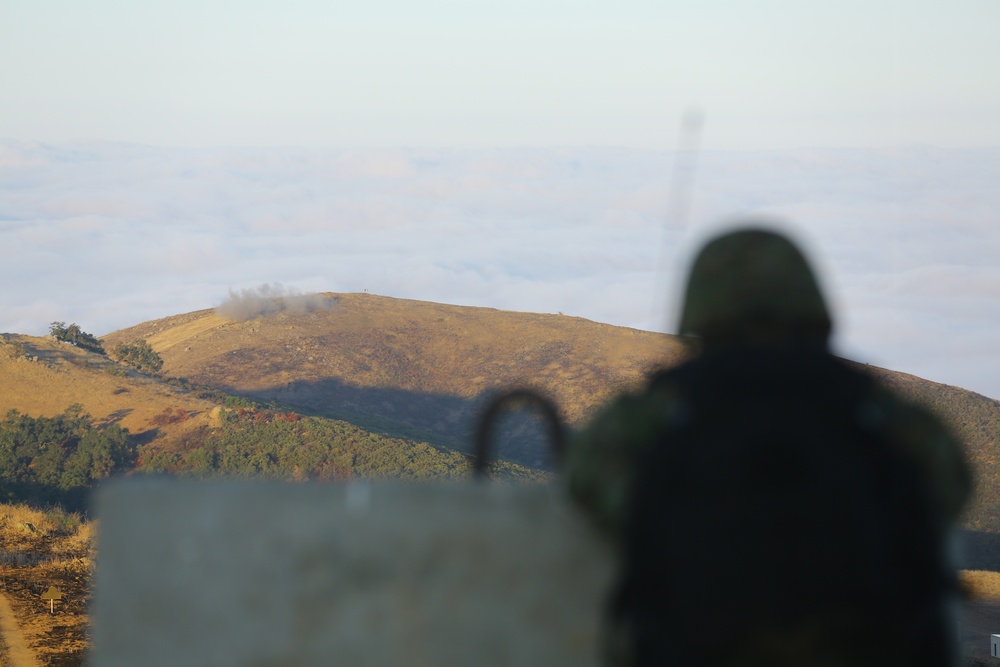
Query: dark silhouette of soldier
point(774, 505)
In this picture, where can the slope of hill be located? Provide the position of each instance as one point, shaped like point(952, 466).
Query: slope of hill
point(42, 377)
point(406, 367)
point(394, 365)
point(416, 367)
point(55, 393)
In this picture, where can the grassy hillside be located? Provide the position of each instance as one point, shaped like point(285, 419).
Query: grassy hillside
point(425, 370)
point(365, 386)
point(69, 418)
point(40, 549)
point(42, 376)
point(394, 373)
point(410, 368)
point(375, 342)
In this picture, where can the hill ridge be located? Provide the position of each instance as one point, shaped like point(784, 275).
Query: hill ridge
point(422, 371)
point(418, 367)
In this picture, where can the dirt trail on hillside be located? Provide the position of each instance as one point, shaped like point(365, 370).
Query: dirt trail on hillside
point(18, 653)
point(179, 334)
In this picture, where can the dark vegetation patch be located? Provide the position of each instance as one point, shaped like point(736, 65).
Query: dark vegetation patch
point(260, 443)
point(57, 460)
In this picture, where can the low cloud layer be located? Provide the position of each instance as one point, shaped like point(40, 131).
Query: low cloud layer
point(109, 235)
point(267, 299)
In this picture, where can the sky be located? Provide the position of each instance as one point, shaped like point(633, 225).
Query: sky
point(517, 155)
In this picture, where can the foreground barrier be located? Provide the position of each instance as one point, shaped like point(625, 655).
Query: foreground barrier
point(253, 574)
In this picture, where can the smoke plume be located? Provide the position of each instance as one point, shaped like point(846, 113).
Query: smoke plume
point(267, 299)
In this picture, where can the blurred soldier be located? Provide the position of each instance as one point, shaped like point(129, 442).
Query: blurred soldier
point(773, 504)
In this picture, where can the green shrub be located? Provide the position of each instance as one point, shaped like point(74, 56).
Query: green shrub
point(139, 355)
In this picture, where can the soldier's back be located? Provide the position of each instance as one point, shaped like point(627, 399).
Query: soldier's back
point(777, 519)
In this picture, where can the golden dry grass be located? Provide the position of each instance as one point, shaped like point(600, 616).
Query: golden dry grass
point(51, 533)
point(414, 367)
point(22, 525)
point(64, 375)
point(168, 338)
point(376, 342)
point(981, 585)
point(40, 548)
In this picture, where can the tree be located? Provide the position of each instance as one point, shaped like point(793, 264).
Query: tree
point(138, 354)
point(75, 335)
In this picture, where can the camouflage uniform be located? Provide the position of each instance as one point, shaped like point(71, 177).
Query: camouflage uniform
point(750, 288)
point(747, 287)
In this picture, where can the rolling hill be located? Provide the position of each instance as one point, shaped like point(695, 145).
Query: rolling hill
point(62, 411)
point(388, 387)
point(419, 369)
point(407, 379)
point(409, 368)
point(43, 376)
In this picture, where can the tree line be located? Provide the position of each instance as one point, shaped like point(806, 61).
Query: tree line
point(137, 354)
point(57, 460)
point(260, 443)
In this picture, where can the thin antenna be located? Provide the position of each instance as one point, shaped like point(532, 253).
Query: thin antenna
point(678, 201)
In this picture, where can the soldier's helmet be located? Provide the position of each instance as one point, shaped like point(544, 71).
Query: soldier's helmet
point(753, 286)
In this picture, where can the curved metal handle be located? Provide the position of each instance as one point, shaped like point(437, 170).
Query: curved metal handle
point(516, 398)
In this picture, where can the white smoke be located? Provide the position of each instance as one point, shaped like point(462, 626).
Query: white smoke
point(267, 299)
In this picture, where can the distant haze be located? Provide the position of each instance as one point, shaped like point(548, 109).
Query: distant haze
point(110, 235)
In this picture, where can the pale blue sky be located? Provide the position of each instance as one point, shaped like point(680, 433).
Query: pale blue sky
point(767, 74)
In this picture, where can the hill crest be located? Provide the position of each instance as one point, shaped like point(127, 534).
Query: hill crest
point(410, 369)
point(374, 342)
point(424, 369)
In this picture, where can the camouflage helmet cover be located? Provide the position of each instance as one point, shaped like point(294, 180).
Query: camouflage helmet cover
point(753, 286)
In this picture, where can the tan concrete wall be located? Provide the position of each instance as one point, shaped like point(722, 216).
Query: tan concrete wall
point(255, 574)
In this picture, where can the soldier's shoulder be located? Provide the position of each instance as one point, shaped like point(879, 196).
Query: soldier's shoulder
point(931, 443)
